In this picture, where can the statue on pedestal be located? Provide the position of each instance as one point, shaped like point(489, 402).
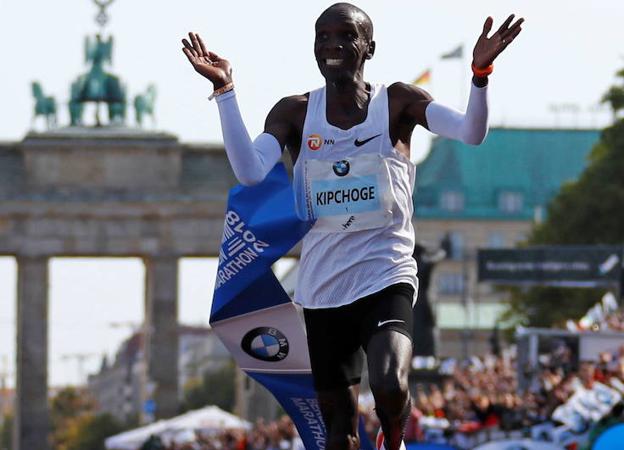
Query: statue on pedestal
point(44, 105)
point(98, 85)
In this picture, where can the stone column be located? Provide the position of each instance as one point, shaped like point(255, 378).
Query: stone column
point(161, 326)
point(32, 425)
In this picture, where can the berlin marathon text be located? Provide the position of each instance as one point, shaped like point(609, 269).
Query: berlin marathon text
point(239, 247)
point(311, 413)
point(234, 266)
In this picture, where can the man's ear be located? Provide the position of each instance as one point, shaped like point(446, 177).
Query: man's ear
point(371, 50)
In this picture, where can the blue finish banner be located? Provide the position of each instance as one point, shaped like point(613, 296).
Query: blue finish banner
point(253, 315)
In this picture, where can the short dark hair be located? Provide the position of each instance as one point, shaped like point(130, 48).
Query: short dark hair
point(366, 23)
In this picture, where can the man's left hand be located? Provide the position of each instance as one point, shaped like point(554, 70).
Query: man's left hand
point(487, 49)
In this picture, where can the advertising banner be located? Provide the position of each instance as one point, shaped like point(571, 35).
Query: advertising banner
point(253, 315)
point(573, 266)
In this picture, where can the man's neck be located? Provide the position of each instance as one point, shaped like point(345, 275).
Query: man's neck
point(348, 95)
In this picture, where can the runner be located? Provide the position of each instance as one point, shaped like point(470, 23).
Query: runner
point(350, 143)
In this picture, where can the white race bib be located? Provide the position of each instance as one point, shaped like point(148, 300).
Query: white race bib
point(346, 195)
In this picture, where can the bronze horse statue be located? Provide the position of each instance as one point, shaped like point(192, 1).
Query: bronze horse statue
point(144, 104)
point(44, 105)
point(98, 86)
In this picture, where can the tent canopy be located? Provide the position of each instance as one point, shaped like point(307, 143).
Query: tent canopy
point(207, 419)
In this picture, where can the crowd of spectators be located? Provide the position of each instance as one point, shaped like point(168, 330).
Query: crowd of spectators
point(484, 393)
point(280, 434)
point(614, 322)
point(473, 395)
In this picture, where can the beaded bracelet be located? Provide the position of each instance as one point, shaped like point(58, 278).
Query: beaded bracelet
point(222, 90)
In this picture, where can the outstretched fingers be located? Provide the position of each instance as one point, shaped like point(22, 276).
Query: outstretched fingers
point(487, 26)
point(513, 35)
point(516, 26)
point(195, 43)
point(513, 31)
point(202, 46)
point(188, 47)
point(505, 24)
point(189, 55)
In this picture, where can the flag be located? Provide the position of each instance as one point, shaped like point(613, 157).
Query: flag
point(455, 53)
point(423, 78)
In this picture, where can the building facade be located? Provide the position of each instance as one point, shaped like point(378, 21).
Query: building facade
point(489, 196)
point(117, 387)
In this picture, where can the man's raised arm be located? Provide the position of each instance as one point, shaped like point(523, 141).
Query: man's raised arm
point(470, 127)
point(251, 160)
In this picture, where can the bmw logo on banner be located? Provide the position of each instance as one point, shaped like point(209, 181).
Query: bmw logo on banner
point(341, 168)
point(266, 344)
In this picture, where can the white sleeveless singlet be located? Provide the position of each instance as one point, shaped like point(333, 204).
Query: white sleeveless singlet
point(358, 188)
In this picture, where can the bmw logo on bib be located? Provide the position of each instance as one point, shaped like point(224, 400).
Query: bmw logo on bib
point(341, 168)
point(265, 344)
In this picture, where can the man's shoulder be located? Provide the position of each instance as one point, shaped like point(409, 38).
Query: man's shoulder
point(293, 103)
point(286, 119)
point(400, 90)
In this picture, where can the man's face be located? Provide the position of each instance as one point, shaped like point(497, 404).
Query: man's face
point(341, 45)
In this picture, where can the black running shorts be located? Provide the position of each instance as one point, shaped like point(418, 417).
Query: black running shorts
point(338, 337)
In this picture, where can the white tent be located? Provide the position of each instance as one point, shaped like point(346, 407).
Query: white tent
point(133, 439)
point(207, 419)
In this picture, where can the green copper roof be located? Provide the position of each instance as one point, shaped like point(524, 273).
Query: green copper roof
point(511, 174)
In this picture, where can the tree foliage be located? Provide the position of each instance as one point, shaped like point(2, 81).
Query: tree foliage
point(544, 307)
point(587, 211)
point(590, 210)
point(215, 388)
point(5, 433)
point(615, 96)
point(88, 432)
point(76, 424)
point(68, 405)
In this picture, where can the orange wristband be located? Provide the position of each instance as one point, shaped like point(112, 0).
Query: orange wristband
point(482, 73)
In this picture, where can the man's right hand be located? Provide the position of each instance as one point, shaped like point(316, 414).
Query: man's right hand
point(207, 63)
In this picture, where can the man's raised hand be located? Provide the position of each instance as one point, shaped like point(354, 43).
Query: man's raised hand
point(207, 63)
point(487, 49)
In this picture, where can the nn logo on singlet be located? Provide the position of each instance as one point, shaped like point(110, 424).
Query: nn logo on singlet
point(316, 142)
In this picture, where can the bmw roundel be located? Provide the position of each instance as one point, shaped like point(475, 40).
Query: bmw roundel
point(341, 168)
point(265, 344)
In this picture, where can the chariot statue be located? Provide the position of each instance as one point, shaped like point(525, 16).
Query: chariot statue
point(98, 86)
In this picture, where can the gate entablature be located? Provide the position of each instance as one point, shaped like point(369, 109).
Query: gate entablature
point(107, 194)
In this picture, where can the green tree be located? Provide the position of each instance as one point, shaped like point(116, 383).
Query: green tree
point(5, 433)
point(67, 407)
point(615, 96)
point(587, 211)
point(215, 388)
point(88, 432)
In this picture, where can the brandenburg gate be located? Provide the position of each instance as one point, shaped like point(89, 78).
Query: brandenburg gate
point(105, 190)
point(105, 193)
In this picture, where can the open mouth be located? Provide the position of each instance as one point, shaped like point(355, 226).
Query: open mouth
point(333, 62)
